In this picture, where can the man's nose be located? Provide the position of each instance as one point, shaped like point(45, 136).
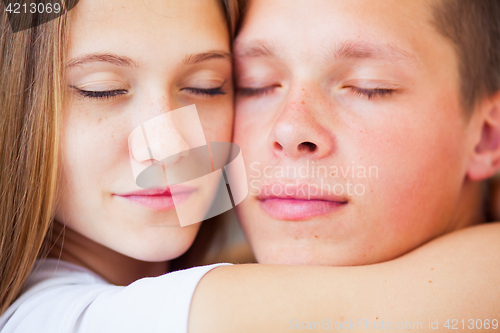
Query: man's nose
point(297, 132)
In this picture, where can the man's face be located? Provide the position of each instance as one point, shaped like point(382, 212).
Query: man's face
point(349, 118)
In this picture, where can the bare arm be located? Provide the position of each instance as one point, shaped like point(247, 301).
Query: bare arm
point(456, 276)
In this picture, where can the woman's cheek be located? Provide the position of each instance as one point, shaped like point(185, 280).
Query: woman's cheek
point(217, 123)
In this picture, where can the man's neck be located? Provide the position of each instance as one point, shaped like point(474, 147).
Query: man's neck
point(471, 206)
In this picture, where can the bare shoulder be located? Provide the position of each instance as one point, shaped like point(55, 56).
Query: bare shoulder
point(464, 264)
point(491, 230)
point(479, 242)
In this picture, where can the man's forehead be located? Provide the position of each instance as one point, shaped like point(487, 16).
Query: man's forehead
point(333, 30)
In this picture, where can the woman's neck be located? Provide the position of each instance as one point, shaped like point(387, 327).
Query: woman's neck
point(116, 268)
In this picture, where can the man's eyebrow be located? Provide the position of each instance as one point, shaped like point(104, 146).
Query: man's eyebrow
point(199, 57)
point(367, 50)
point(342, 50)
point(257, 48)
point(103, 57)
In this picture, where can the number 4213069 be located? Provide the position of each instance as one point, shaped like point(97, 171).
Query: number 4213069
point(455, 324)
point(33, 7)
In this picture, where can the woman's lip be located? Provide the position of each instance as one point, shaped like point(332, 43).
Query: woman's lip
point(298, 209)
point(168, 191)
point(160, 199)
point(156, 192)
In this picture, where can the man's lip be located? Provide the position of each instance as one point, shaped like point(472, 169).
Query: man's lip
point(302, 191)
point(296, 202)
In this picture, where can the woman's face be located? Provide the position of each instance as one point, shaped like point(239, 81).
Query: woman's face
point(129, 62)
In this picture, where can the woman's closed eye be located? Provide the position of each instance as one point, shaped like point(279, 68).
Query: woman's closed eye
point(100, 94)
point(207, 92)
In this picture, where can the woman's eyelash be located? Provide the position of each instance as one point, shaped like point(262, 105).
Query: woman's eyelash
point(101, 94)
point(207, 92)
point(371, 93)
point(255, 92)
point(113, 93)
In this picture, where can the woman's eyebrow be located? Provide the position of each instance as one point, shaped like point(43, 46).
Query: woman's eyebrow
point(103, 57)
point(204, 56)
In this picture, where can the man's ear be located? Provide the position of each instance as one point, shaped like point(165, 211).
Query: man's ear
point(485, 160)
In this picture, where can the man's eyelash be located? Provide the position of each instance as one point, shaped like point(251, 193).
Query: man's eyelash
point(101, 94)
point(255, 92)
point(207, 92)
point(368, 93)
point(372, 93)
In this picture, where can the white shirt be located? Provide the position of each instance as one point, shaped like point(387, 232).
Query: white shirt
point(63, 297)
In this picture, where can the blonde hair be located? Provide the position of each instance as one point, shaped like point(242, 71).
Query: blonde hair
point(31, 102)
point(31, 66)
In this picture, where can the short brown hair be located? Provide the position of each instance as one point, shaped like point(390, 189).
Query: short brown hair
point(474, 28)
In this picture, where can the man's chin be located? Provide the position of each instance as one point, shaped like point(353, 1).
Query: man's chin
point(304, 255)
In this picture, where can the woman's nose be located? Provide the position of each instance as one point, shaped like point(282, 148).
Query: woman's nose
point(157, 139)
point(165, 138)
